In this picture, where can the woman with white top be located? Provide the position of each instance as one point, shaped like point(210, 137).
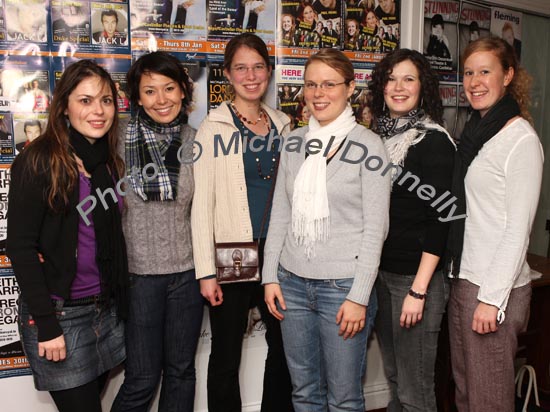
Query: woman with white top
point(497, 180)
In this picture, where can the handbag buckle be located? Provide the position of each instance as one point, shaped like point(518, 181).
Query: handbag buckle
point(237, 257)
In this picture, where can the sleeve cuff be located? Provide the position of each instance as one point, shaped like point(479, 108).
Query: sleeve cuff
point(48, 327)
point(361, 289)
point(269, 269)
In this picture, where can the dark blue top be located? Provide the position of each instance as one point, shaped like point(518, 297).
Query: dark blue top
point(257, 187)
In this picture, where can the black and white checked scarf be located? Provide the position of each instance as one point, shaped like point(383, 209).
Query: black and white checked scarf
point(143, 149)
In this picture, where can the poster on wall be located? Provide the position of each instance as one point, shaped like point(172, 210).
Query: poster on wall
point(13, 361)
point(110, 27)
point(6, 138)
point(440, 37)
point(23, 22)
point(455, 108)
point(218, 86)
point(26, 128)
point(228, 18)
point(4, 189)
point(360, 98)
point(507, 25)
point(475, 22)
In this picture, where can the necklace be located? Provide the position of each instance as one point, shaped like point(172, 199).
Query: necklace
point(265, 118)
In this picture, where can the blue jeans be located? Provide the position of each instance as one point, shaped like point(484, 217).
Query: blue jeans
point(325, 369)
point(162, 333)
point(409, 354)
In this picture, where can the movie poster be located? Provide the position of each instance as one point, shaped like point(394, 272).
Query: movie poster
point(361, 97)
point(70, 22)
point(150, 18)
point(440, 37)
point(507, 25)
point(218, 86)
point(475, 22)
point(455, 108)
point(110, 27)
point(24, 21)
point(290, 95)
point(4, 189)
point(198, 108)
point(6, 138)
point(13, 361)
point(26, 128)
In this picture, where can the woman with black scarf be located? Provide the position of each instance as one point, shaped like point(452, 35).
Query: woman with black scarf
point(497, 180)
point(166, 306)
point(68, 256)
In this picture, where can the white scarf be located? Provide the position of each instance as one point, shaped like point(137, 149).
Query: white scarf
point(310, 209)
point(398, 145)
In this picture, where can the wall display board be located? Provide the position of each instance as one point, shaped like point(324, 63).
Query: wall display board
point(449, 25)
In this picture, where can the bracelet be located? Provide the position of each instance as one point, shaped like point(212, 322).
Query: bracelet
point(417, 295)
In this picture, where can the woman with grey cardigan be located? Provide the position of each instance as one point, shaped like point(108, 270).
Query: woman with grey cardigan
point(328, 223)
point(166, 306)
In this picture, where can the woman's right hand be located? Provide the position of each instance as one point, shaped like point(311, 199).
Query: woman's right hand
point(54, 349)
point(211, 291)
point(272, 294)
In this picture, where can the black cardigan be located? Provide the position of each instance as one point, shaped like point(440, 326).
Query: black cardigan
point(414, 224)
point(34, 228)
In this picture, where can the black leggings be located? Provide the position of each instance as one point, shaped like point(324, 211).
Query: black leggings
point(85, 398)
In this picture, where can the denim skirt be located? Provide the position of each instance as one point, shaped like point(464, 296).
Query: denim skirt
point(94, 339)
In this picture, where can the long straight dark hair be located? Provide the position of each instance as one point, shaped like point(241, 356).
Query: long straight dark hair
point(51, 152)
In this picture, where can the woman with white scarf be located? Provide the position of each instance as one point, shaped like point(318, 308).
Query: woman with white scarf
point(411, 287)
point(328, 223)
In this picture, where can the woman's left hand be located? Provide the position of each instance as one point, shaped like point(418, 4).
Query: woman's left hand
point(351, 318)
point(485, 319)
point(411, 311)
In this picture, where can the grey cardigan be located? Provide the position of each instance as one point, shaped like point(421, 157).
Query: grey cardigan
point(359, 215)
point(158, 234)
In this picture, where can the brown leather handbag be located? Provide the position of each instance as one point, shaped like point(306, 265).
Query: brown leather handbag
point(237, 262)
point(240, 261)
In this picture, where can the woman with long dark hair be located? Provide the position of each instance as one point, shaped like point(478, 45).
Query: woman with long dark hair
point(66, 246)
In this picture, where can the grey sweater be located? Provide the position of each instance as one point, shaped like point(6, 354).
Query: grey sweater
point(359, 208)
point(158, 234)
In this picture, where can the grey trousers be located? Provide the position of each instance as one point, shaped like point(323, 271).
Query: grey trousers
point(409, 354)
point(483, 365)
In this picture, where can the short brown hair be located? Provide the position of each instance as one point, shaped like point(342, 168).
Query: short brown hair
point(335, 59)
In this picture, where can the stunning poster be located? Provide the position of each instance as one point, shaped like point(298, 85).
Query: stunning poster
point(440, 37)
point(475, 22)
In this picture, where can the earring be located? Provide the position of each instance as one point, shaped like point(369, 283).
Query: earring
point(384, 107)
point(422, 102)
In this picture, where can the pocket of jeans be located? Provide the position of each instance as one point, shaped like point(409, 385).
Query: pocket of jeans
point(342, 284)
point(282, 274)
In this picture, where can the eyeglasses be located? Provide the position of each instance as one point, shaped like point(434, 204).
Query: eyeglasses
point(257, 69)
point(323, 86)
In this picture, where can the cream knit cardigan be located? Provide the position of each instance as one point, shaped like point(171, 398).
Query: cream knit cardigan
point(220, 205)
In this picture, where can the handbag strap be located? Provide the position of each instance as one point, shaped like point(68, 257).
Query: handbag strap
point(269, 198)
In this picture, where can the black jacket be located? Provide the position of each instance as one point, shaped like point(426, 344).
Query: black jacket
point(414, 224)
point(34, 228)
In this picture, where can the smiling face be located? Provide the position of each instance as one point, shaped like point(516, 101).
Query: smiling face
point(372, 20)
point(160, 96)
point(91, 108)
point(352, 28)
point(387, 6)
point(309, 14)
point(326, 105)
point(250, 85)
point(402, 91)
point(287, 23)
point(485, 80)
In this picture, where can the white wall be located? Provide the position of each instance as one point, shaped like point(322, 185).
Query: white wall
point(18, 393)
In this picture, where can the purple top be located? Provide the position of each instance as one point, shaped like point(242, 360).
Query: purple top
point(87, 281)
